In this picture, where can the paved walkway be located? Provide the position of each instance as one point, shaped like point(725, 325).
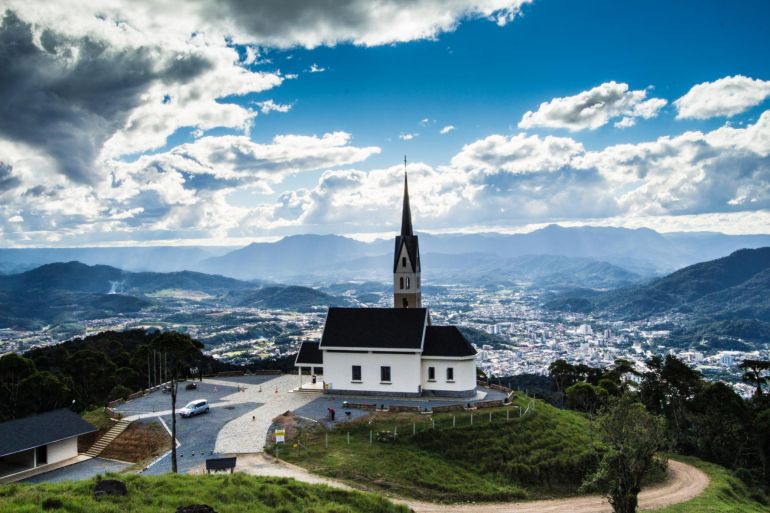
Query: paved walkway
point(684, 483)
point(85, 469)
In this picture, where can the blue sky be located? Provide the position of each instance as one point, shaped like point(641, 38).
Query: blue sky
point(213, 131)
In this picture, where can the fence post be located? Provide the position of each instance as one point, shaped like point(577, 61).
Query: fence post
point(490, 417)
point(471, 419)
point(454, 419)
point(414, 429)
point(433, 423)
point(370, 437)
point(327, 440)
point(348, 437)
point(395, 431)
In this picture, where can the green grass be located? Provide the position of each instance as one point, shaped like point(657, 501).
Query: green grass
point(724, 494)
point(98, 418)
point(543, 454)
point(237, 493)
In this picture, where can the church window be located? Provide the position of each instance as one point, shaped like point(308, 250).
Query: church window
point(356, 373)
point(408, 282)
point(385, 374)
point(401, 282)
point(450, 374)
point(403, 261)
point(431, 374)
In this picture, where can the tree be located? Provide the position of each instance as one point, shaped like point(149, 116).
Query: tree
point(43, 391)
point(588, 398)
point(180, 352)
point(13, 370)
point(633, 436)
point(756, 372)
point(563, 375)
point(93, 375)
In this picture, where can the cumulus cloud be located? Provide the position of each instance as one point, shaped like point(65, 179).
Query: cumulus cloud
point(407, 136)
point(268, 106)
point(499, 181)
point(594, 108)
point(315, 68)
point(727, 96)
point(286, 23)
point(447, 129)
point(8, 180)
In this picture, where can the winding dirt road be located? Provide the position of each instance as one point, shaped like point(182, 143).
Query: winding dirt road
point(684, 482)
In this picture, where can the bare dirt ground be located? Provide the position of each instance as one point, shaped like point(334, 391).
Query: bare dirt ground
point(684, 482)
point(138, 443)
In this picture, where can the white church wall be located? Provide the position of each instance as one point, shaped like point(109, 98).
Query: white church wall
point(404, 372)
point(464, 374)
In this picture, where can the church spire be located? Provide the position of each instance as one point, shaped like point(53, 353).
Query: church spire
point(406, 213)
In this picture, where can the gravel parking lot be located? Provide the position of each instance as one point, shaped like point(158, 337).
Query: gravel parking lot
point(242, 409)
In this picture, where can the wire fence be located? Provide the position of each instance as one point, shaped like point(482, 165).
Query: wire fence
point(382, 430)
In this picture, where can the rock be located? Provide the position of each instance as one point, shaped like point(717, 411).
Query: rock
point(195, 508)
point(52, 503)
point(110, 487)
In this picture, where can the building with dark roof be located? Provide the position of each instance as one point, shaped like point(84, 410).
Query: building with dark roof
point(39, 440)
point(392, 351)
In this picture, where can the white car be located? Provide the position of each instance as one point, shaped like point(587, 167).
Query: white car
point(194, 408)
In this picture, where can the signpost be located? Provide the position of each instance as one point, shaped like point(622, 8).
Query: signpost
point(280, 435)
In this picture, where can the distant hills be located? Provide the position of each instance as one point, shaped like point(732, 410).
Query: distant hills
point(323, 258)
point(727, 297)
point(60, 293)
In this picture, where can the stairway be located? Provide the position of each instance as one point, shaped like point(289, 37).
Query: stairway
point(108, 437)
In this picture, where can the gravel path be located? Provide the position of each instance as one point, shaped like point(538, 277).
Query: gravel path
point(684, 483)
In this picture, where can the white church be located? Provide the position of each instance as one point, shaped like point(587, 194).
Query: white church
point(393, 351)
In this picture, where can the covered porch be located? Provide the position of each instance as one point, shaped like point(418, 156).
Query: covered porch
point(309, 364)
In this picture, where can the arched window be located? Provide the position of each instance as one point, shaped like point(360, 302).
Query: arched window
point(408, 282)
point(401, 282)
point(405, 302)
point(403, 261)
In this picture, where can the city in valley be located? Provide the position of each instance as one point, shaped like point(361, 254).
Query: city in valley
point(523, 337)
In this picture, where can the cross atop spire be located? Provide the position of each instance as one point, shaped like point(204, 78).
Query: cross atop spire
point(406, 212)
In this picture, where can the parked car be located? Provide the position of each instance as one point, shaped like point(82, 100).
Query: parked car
point(194, 408)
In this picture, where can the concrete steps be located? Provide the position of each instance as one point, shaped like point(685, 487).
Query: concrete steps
point(108, 438)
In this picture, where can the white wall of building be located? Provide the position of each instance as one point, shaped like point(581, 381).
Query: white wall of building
point(63, 450)
point(464, 374)
point(404, 372)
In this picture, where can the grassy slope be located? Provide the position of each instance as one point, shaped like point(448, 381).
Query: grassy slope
point(237, 493)
point(725, 493)
point(540, 455)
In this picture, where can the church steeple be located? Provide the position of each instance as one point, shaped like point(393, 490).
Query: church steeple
point(406, 212)
point(406, 263)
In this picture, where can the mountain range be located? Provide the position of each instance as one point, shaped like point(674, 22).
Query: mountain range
point(307, 259)
point(728, 298)
point(73, 291)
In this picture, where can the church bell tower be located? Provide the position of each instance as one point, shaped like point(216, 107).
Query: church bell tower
point(406, 265)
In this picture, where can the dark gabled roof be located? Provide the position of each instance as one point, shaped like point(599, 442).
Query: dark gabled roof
point(309, 354)
point(29, 432)
point(385, 328)
point(446, 341)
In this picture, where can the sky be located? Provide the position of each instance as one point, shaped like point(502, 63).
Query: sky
point(224, 122)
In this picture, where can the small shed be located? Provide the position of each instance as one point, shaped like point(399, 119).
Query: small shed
point(39, 440)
